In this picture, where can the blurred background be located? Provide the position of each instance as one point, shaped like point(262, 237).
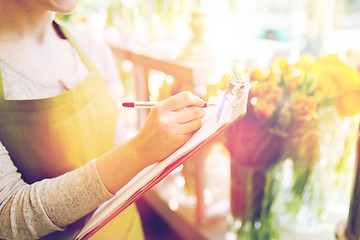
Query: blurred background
point(309, 26)
point(166, 46)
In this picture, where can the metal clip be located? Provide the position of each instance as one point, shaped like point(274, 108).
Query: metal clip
point(236, 89)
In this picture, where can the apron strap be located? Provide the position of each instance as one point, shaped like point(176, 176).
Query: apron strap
point(2, 94)
point(76, 45)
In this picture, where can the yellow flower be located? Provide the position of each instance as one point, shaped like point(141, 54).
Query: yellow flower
point(346, 78)
point(330, 59)
point(259, 74)
point(336, 72)
point(303, 106)
point(279, 66)
point(347, 103)
point(305, 62)
point(309, 83)
point(326, 87)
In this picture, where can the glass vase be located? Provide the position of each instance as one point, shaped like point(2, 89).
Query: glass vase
point(255, 154)
point(320, 150)
point(252, 196)
point(341, 152)
point(303, 202)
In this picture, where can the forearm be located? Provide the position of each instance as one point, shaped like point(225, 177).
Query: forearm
point(32, 211)
point(78, 192)
point(118, 166)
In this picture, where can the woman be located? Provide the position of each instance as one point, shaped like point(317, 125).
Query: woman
point(58, 162)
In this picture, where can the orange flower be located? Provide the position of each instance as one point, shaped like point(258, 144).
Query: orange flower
point(267, 90)
point(264, 109)
point(293, 80)
point(309, 83)
point(303, 106)
point(267, 95)
point(347, 103)
point(275, 79)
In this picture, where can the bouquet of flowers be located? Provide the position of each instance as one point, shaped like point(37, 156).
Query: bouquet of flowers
point(283, 120)
point(285, 106)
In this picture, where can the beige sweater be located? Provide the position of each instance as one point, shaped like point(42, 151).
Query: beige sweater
point(32, 211)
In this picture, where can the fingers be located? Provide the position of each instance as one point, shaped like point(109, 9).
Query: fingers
point(176, 113)
point(169, 125)
point(188, 114)
point(189, 127)
point(182, 100)
point(179, 122)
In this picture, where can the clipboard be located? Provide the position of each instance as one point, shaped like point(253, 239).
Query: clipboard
point(152, 175)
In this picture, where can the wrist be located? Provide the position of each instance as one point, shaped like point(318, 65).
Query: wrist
point(118, 166)
point(136, 151)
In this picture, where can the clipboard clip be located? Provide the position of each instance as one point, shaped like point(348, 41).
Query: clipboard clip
point(237, 88)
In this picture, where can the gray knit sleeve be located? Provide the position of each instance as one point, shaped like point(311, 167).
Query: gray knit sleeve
point(32, 211)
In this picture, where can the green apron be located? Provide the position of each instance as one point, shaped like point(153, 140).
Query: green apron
point(49, 137)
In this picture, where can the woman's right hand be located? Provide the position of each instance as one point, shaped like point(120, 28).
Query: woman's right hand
point(169, 125)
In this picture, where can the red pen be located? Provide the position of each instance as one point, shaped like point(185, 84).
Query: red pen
point(144, 104)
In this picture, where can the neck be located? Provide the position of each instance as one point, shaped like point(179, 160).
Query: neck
point(20, 20)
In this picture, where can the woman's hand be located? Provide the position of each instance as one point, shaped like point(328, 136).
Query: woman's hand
point(169, 125)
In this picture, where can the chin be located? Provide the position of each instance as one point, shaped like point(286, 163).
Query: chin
point(61, 6)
